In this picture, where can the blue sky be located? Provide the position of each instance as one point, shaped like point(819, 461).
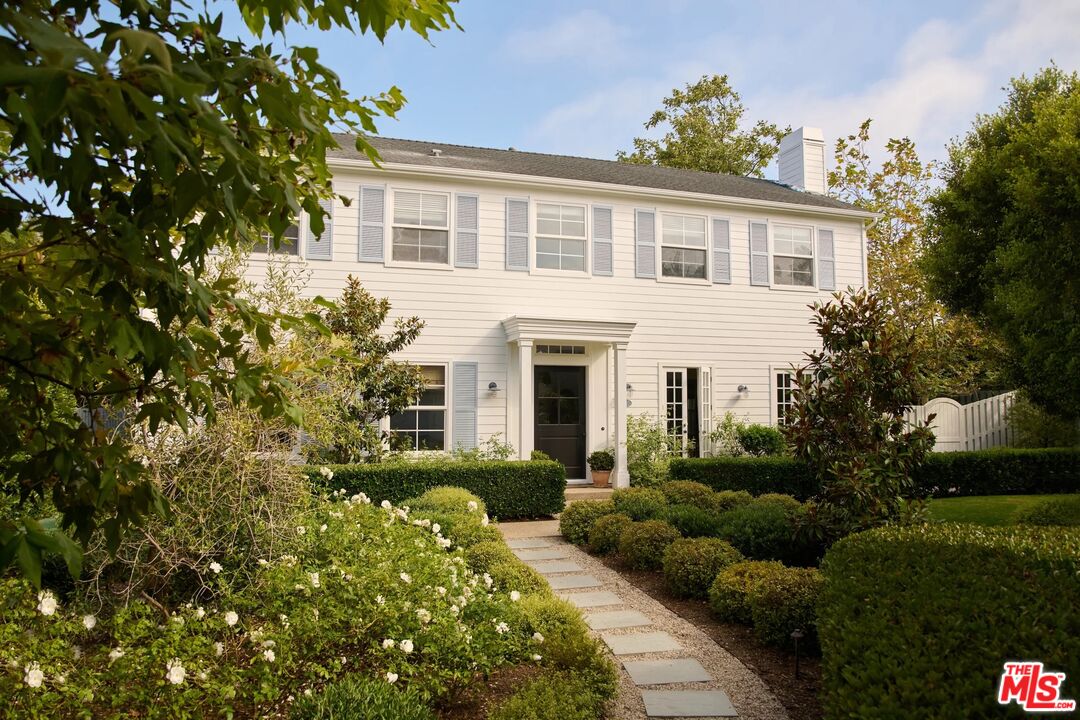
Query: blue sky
point(582, 77)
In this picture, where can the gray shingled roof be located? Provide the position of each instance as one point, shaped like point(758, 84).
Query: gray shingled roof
point(516, 162)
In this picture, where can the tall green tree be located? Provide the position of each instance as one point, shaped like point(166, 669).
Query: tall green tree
point(160, 139)
point(1004, 233)
point(706, 133)
point(959, 357)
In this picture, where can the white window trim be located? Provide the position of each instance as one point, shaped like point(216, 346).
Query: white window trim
point(774, 416)
point(660, 277)
point(388, 234)
point(300, 242)
point(534, 242)
point(812, 287)
point(384, 424)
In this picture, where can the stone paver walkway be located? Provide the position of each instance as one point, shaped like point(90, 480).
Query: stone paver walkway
point(671, 669)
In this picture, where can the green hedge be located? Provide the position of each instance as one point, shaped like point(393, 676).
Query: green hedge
point(917, 621)
point(1003, 471)
point(509, 489)
point(756, 475)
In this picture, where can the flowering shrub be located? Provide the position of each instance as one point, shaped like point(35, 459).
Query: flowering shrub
point(368, 587)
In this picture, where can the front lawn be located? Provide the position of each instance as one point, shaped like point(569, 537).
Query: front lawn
point(983, 509)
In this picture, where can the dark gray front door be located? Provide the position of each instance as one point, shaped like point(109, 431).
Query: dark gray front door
point(560, 415)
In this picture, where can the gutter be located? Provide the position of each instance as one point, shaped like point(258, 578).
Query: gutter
point(625, 190)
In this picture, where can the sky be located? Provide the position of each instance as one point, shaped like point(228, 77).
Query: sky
point(581, 78)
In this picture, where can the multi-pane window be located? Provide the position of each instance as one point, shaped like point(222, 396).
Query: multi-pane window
point(785, 395)
point(560, 237)
point(682, 246)
point(793, 256)
point(423, 426)
point(421, 227)
point(290, 242)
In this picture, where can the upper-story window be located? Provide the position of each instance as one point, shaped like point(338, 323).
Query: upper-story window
point(560, 237)
point(421, 227)
point(793, 256)
point(682, 246)
point(290, 242)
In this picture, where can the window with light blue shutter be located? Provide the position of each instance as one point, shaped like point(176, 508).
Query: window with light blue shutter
point(467, 231)
point(759, 253)
point(517, 234)
point(465, 378)
point(372, 222)
point(645, 243)
point(826, 260)
point(320, 247)
point(721, 251)
point(603, 262)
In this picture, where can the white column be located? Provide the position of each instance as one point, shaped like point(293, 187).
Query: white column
point(622, 476)
point(526, 419)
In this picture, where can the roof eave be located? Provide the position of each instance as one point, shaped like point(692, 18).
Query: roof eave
point(630, 190)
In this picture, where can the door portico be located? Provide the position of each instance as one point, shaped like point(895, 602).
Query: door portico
point(600, 347)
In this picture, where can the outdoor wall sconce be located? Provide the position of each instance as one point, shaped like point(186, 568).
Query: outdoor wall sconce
point(493, 387)
point(743, 389)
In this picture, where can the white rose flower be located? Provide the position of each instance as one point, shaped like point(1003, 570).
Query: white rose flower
point(314, 579)
point(405, 578)
point(387, 644)
point(441, 590)
point(380, 600)
point(326, 473)
point(200, 613)
point(454, 610)
point(385, 505)
point(231, 618)
point(487, 580)
point(33, 676)
point(423, 616)
point(219, 649)
point(391, 677)
point(46, 602)
point(269, 655)
point(502, 628)
point(61, 678)
point(406, 646)
point(538, 638)
point(515, 595)
point(300, 530)
point(215, 567)
point(536, 658)
point(436, 528)
point(472, 506)
point(485, 520)
point(89, 621)
point(322, 528)
point(175, 672)
point(116, 654)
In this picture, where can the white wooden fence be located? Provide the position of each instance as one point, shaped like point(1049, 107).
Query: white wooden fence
point(979, 425)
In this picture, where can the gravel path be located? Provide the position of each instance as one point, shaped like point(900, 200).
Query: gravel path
point(749, 695)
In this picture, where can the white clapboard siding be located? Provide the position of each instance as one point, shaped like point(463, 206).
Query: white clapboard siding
point(978, 425)
point(734, 329)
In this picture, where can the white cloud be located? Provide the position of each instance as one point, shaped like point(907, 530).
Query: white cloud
point(942, 75)
point(586, 36)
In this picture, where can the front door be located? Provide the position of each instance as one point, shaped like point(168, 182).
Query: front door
point(560, 415)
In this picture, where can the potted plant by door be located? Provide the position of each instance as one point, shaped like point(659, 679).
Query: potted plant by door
point(601, 463)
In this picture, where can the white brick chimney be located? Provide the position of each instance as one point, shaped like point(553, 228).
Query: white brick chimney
point(802, 160)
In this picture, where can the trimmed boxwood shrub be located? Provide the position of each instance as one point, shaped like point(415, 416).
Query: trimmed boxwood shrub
point(731, 499)
point(759, 530)
point(482, 556)
point(1004, 471)
point(783, 602)
point(916, 621)
point(606, 531)
point(761, 440)
point(511, 489)
point(577, 519)
point(512, 574)
point(693, 520)
point(756, 475)
point(785, 501)
point(448, 499)
point(691, 564)
point(686, 492)
point(463, 529)
point(1051, 511)
point(639, 503)
point(729, 595)
point(552, 696)
point(642, 544)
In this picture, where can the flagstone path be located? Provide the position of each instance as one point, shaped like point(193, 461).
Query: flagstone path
point(671, 669)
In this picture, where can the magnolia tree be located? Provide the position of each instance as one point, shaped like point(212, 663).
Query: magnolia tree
point(847, 420)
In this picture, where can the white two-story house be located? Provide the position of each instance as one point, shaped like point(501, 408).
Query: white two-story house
point(561, 294)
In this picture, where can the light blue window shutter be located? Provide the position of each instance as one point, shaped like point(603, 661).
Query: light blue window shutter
point(759, 253)
point(826, 260)
point(466, 235)
point(320, 247)
point(603, 242)
point(645, 243)
point(517, 234)
point(372, 222)
point(465, 376)
point(721, 251)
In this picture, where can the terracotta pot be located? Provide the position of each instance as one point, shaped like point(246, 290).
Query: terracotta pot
point(601, 478)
